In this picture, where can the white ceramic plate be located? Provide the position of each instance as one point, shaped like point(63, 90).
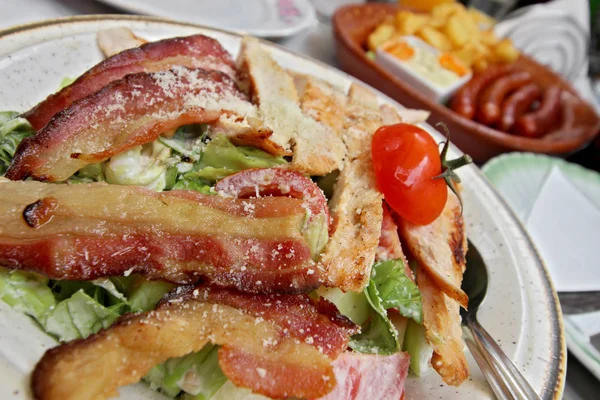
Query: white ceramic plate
point(265, 18)
point(519, 177)
point(521, 310)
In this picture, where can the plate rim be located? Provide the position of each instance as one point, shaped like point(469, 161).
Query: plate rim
point(555, 379)
point(279, 33)
point(581, 349)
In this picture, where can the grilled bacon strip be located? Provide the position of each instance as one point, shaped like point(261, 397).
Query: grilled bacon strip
point(87, 231)
point(196, 51)
point(277, 345)
point(126, 113)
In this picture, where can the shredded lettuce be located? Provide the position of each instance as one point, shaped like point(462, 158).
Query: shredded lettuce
point(198, 375)
point(389, 287)
point(12, 131)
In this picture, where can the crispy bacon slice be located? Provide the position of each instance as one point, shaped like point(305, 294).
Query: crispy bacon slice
point(197, 51)
point(277, 345)
point(87, 231)
point(440, 248)
point(369, 376)
point(126, 113)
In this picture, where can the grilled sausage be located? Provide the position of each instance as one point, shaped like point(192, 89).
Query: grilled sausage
point(517, 104)
point(541, 121)
point(464, 101)
point(489, 110)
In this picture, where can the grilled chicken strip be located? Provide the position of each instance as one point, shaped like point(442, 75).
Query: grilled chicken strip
point(356, 204)
point(115, 40)
point(277, 345)
point(197, 51)
point(441, 319)
point(126, 113)
point(315, 148)
point(86, 231)
point(440, 249)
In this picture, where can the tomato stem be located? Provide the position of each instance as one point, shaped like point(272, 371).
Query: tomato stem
point(449, 166)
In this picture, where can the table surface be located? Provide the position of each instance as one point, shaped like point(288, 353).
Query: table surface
point(316, 42)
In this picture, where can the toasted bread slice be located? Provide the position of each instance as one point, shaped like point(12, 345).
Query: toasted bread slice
point(315, 148)
point(356, 204)
point(115, 40)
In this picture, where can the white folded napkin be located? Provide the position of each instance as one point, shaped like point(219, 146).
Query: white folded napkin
point(565, 226)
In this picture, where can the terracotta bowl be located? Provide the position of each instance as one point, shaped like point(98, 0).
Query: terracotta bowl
point(352, 24)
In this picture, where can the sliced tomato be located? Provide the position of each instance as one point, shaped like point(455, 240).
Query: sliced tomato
point(369, 376)
point(275, 182)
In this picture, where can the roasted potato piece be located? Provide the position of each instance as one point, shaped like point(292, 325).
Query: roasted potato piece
point(441, 13)
point(506, 52)
point(488, 37)
point(435, 38)
point(483, 20)
point(381, 34)
point(456, 30)
point(408, 23)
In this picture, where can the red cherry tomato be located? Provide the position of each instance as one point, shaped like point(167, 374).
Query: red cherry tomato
point(406, 159)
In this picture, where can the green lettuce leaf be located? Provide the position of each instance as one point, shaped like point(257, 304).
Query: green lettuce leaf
point(12, 131)
point(144, 295)
point(198, 375)
point(221, 158)
point(378, 335)
point(88, 174)
point(195, 184)
point(26, 292)
point(67, 80)
point(396, 290)
point(389, 287)
point(78, 317)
